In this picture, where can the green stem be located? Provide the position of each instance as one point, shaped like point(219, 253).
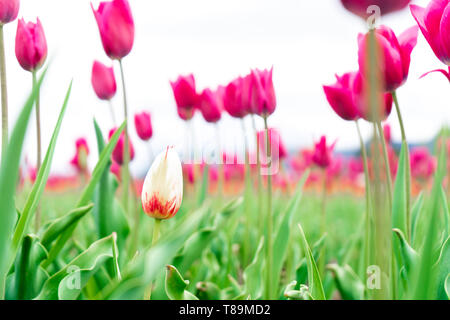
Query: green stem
point(111, 110)
point(258, 167)
point(220, 183)
point(4, 91)
point(155, 237)
point(247, 197)
point(125, 169)
point(39, 146)
point(323, 222)
point(269, 214)
point(386, 165)
point(408, 167)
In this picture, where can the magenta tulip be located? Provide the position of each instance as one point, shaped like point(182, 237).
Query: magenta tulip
point(423, 164)
point(237, 96)
point(322, 155)
point(340, 96)
point(395, 55)
point(116, 25)
point(263, 100)
point(387, 133)
point(185, 96)
point(103, 81)
point(143, 124)
point(359, 7)
point(79, 161)
point(210, 105)
point(434, 22)
point(277, 146)
point(31, 45)
point(8, 10)
point(118, 152)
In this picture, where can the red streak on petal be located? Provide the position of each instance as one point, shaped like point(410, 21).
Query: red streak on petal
point(155, 208)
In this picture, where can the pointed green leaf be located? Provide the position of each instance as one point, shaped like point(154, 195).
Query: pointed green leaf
point(252, 274)
point(176, 285)
point(349, 285)
point(399, 197)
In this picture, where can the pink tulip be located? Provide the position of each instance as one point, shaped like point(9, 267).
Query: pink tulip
point(103, 81)
point(387, 133)
point(31, 46)
point(115, 169)
point(340, 96)
point(359, 7)
point(143, 124)
point(355, 168)
point(423, 164)
point(394, 55)
point(116, 25)
point(263, 99)
point(79, 161)
point(322, 155)
point(444, 72)
point(185, 96)
point(210, 104)
point(118, 152)
point(275, 142)
point(434, 22)
point(8, 10)
point(237, 96)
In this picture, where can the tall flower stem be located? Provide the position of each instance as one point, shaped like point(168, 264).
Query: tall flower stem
point(4, 91)
point(323, 221)
point(111, 110)
point(220, 183)
point(125, 171)
point(408, 166)
point(367, 192)
point(247, 196)
point(155, 237)
point(258, 167)
point(39, 146)
point(269, 214)
point(386, 165)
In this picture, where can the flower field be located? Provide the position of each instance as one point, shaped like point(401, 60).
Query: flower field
point(267, 223)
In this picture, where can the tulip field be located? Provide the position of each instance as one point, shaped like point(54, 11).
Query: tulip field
point(269, 223)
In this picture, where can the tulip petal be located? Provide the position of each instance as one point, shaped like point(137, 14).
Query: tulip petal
point(445, 73)
point(445, 33)
point(408, 41)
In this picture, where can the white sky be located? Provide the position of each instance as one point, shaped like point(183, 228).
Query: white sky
point(306, 42)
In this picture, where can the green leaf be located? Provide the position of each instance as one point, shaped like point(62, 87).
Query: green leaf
point(9, 174)
point(415, 213)
point(67, 283)
point(314, 280)
point(176, 285)
point(204, 186)
point(347, 282)
point(447, 286)
point(281, 242)
point(410, 257)
point(445, 212)
point(399, 197)
point(208, 291)
point(302, 268)
point(301, 294)
point(443, 269)
point(253, 272)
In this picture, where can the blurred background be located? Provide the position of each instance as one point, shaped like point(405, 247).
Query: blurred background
point(306, 42)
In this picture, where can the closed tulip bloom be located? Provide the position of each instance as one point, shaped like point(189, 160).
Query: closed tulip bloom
point(31, 45)
point(263, 100)
point(116, 25)
point(387, 133)
point(340, 96)
point(359, 7)
point(322, 155)
point(8, 10)
point(162, 191)
point(236, 97)
point(422, 163)
point(185, 96)
point(103, 81)
point(210, 105)
point(434, 22)
point(118, 154)
point(79, 161)
point(143, 124)
point(394, 55)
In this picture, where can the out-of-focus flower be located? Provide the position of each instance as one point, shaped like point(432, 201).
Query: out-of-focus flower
point(434, 22)
point(334, 170)
point(276, 144)
point(79, 161)
point(115, 169)
point(31, 45)
point(103, 81)
point(387, 133)
point(355, 168)
point(185, 96)
point(423, 164)
point(118, 152)
point(394, 55)
point(236, 98)
point(143, 124)
point(263, 100)
point(359, 7)
point(322, 155)
point(341, 98)
point(9, 9)
point(116, 26)
point(189, 172)
point(162, 191)
point(210, 104)
point(302, 161)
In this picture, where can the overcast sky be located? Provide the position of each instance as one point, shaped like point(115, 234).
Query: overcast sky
point(305, 41)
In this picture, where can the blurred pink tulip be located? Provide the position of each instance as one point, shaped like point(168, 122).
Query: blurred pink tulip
point(422, 163)
point(79, 161)
point(9, 10)
point(118, 151)
point(275, 142)
point(263, 100)
point(359, 7)
point(116, 25)
point(322, 155)
point(31, 45)
point(185, 96)
point(394, 55)
point(434, 22)
point(387, 133)
point(355, 168)
point(115, 169)
point(237, 96)
point(210, 104)
point(103, 81)
point(340, 96)
point(143, 124)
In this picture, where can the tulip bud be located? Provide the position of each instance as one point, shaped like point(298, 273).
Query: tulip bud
point(322, 155)
point(79, 161)
point(116, 25)
point(210, 104)
point(31, 45)
point(143, 124)
point(103, 81)
point(423, 164)
point(162, 191)
point(387, 133)
point(185, 96)
point(118, 152)
point(8, 10)
point(263, 100)
point(359, 7)
point(236, 97)
point(340, 96)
